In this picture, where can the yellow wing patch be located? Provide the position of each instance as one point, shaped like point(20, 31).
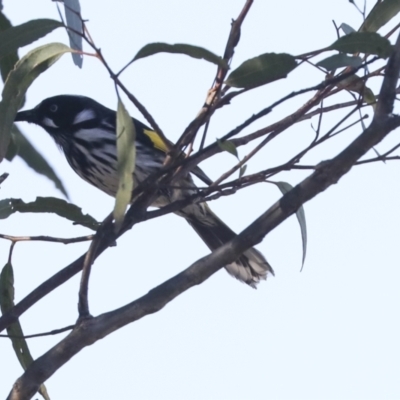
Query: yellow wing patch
point(157, 141)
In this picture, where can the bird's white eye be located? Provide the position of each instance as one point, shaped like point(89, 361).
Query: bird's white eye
point(53, 108)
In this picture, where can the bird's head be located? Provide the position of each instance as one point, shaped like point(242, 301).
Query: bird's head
point(63, 113)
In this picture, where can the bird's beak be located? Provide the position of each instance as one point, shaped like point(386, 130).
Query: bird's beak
point(28, 116)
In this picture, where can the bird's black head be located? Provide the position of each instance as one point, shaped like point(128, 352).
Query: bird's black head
point(64, 113)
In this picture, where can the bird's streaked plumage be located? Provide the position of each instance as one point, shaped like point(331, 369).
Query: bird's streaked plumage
point(85, 131)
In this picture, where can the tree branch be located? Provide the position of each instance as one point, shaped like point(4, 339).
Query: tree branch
point(88, 331)
point(46, 239)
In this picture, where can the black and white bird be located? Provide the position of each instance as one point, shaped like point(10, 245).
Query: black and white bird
point(86, 132)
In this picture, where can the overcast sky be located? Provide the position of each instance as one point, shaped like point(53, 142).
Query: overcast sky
point(329, 332)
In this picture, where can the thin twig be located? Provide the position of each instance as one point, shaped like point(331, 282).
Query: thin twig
point(50, 333)
point(371, 160)
point(93, 252)
point(46, 239)
point(213, 94)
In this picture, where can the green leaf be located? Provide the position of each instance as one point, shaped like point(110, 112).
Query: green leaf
point(7, 302)
point(20, 78)
point(381, 14)
point(15, 331)
point(126, 151)
point(363, 42)
point(180, 48)
point(260, 70)
point(242, 170)
point(48, 205)
point(285, 187)
point(12, 150)
point(339, 61)
point(6, 288)
point(347, 29)
point(34, 159)
point(369, 96)
point(75, 31)
point(18, 36)
point(357, 85)
point(7, 62)
point(228, 146)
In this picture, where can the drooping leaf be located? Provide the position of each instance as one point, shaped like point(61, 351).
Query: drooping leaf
point(48, 205)
point(7, 62)
point(260, 70)
point(363, 42)
point(369, 96)
point(126, 151)
point(6, 288)
point(347, 28)
point(228, 146)
point(75, 29)
point(6, 303)
point(12, 150)
point(339, 61)
point(380, 14)
point(180, 48)
point(242, 170)
point(285, 187)
point(15, 331)
point(18, 36)
point(357, 85)
point(34, 159)
point(18, 81)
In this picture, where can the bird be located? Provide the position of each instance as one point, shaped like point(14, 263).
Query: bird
point(85, 131)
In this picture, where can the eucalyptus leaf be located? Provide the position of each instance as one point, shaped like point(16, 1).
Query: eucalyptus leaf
point(34, 159)
point(75, 29)
point(12, 150)
point(261, 70)
point(357, 85)
point(285, 187)
point(347, 28)
point(380, 15)
point(228, 146)
point(339, 61)
point(126, 152)
point(48, 205)
point(18, 36)
point(363, 42)
point(14, 330)
point(20, 78)
point(7, 62)
point(242, 170)
point(180, 48)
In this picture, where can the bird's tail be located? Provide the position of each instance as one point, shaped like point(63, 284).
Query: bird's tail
point(250, 267)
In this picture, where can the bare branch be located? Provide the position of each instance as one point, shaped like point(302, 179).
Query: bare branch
point(208, 108)
point(46, 239)
point(94, 251)
point(35, 335)
point(371, 160)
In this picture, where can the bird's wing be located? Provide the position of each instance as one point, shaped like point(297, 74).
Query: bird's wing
point(158, 142)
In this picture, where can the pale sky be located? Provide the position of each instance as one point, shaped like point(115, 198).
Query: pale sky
point(329, 332)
